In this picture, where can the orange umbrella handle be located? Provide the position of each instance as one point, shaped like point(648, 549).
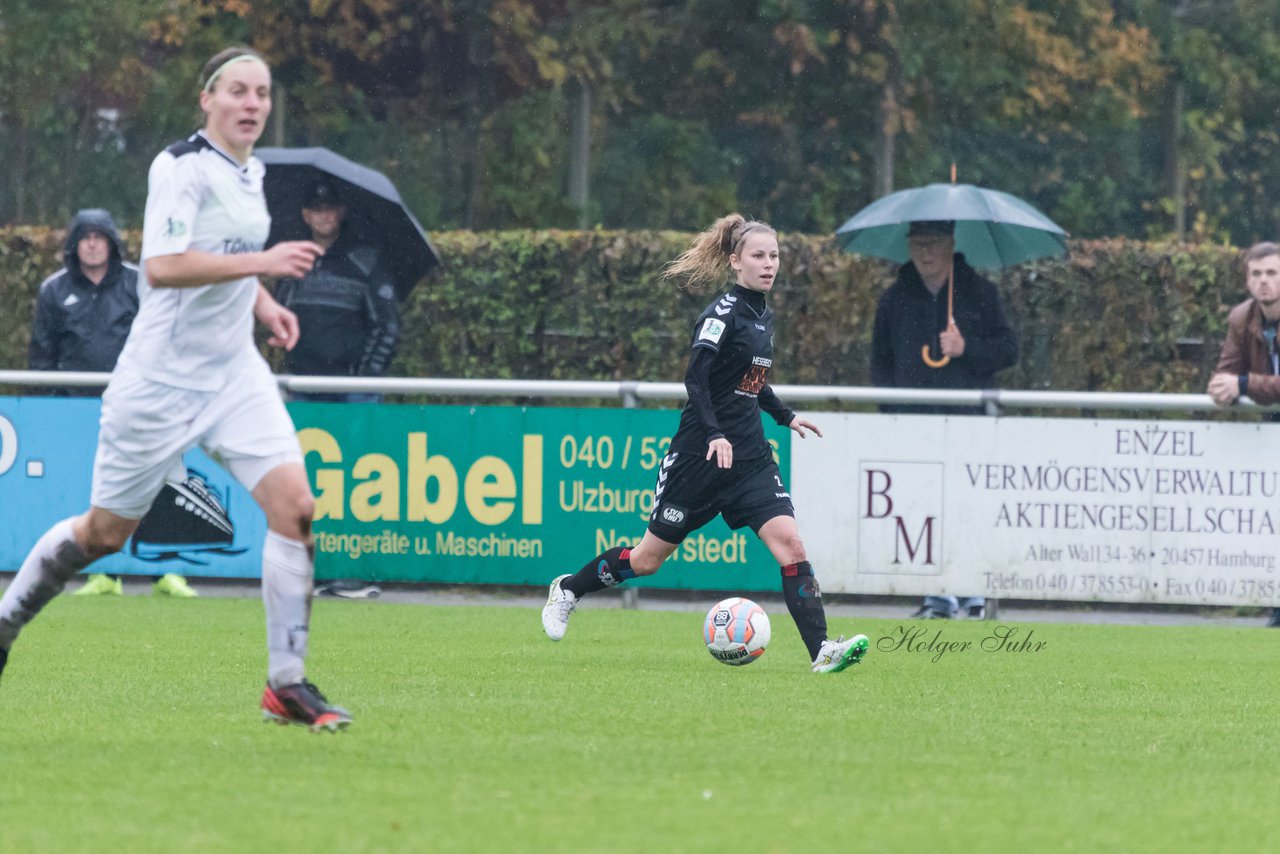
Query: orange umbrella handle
point(930, 361)
point(924, 351)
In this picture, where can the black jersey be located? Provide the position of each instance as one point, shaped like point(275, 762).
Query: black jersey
point(728, 378)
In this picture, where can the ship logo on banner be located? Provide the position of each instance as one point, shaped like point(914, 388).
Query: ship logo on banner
point(188, 521)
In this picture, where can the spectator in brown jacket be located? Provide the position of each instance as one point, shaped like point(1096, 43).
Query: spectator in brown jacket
point(1249, 365)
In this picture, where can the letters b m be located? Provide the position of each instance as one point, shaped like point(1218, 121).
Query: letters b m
point(879, 505)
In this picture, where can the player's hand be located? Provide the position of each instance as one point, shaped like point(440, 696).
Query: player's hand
point(951, 341)
point(1224, 389)
point(291, 259)
point(722, 451)
point(282, 323)
point(800, 426)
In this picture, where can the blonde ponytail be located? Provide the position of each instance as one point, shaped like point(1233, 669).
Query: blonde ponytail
point(703, 264)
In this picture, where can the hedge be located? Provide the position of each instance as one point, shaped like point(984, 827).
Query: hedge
point(590, 305)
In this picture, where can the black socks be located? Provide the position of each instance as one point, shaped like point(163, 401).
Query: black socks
point(804, 601)
point(607, 570)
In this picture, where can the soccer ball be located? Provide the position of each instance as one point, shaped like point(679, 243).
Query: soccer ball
point(736, 631)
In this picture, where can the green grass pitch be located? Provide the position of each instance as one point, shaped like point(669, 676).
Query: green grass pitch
point(132, 725)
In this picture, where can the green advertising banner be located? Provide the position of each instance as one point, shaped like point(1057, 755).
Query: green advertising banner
point(503, 495)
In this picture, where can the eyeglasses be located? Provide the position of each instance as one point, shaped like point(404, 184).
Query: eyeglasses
point(926, 245)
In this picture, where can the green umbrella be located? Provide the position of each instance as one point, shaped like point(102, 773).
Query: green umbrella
point(993, 229)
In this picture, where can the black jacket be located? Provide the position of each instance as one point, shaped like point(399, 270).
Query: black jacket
point(909, 317)
point(347, 313)
point(80, 326)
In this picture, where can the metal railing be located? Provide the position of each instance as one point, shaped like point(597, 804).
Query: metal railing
point(631, 392)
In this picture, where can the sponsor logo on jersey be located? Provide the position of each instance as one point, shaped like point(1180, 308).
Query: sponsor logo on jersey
point(71, 300)
point(712, 329)
point(174, 227)
point(239, 246)
point(755, 378)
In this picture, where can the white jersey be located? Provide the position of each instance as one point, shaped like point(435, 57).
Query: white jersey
point(198, 197)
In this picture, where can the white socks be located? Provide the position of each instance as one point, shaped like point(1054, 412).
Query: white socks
point(53, 560)
point(286, 594)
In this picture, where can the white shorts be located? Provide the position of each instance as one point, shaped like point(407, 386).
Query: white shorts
point(147, 426)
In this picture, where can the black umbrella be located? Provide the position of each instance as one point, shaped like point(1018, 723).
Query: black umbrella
point(375, 210)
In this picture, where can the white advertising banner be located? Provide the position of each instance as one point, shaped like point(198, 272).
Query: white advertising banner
point(1041, 508)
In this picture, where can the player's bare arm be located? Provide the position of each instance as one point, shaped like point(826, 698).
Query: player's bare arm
point(722, 450)
point(282, 322)
point(195, 268)
point(804, 427)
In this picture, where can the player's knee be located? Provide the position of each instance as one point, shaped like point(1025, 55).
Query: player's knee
point(791, 549)
point(289, 507)
point(304, 509)
point(644, 563)
point(100, 544)
point(101, 534)
point(295, 515)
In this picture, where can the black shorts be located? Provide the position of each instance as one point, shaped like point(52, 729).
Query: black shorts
point(692, 490)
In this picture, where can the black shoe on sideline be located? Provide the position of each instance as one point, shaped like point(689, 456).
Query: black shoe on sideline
point(924, 612)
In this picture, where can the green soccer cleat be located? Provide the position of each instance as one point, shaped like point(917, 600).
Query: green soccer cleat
point(838, 655)
point(101, 585)
point(172, 584)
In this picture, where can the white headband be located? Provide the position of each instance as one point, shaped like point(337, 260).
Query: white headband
point(244, 57)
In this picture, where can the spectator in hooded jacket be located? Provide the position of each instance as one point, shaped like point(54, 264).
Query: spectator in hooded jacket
point(973, 342)
point(346, 305)
point(1249, 365)
point(83, 316)
point(84, 311)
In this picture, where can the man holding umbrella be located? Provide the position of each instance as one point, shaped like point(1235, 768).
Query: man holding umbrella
point(346, 305)
point(940, 325)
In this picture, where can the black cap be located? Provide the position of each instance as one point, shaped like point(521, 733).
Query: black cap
point(321, 194)
point(943, 227)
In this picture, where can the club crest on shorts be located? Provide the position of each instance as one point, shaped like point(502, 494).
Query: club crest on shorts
point(673, 515)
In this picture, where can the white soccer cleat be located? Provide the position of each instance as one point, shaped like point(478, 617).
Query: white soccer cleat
point(555, 614)
point(836, 655)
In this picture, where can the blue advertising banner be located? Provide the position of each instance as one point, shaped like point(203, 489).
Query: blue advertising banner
point(208, 526)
